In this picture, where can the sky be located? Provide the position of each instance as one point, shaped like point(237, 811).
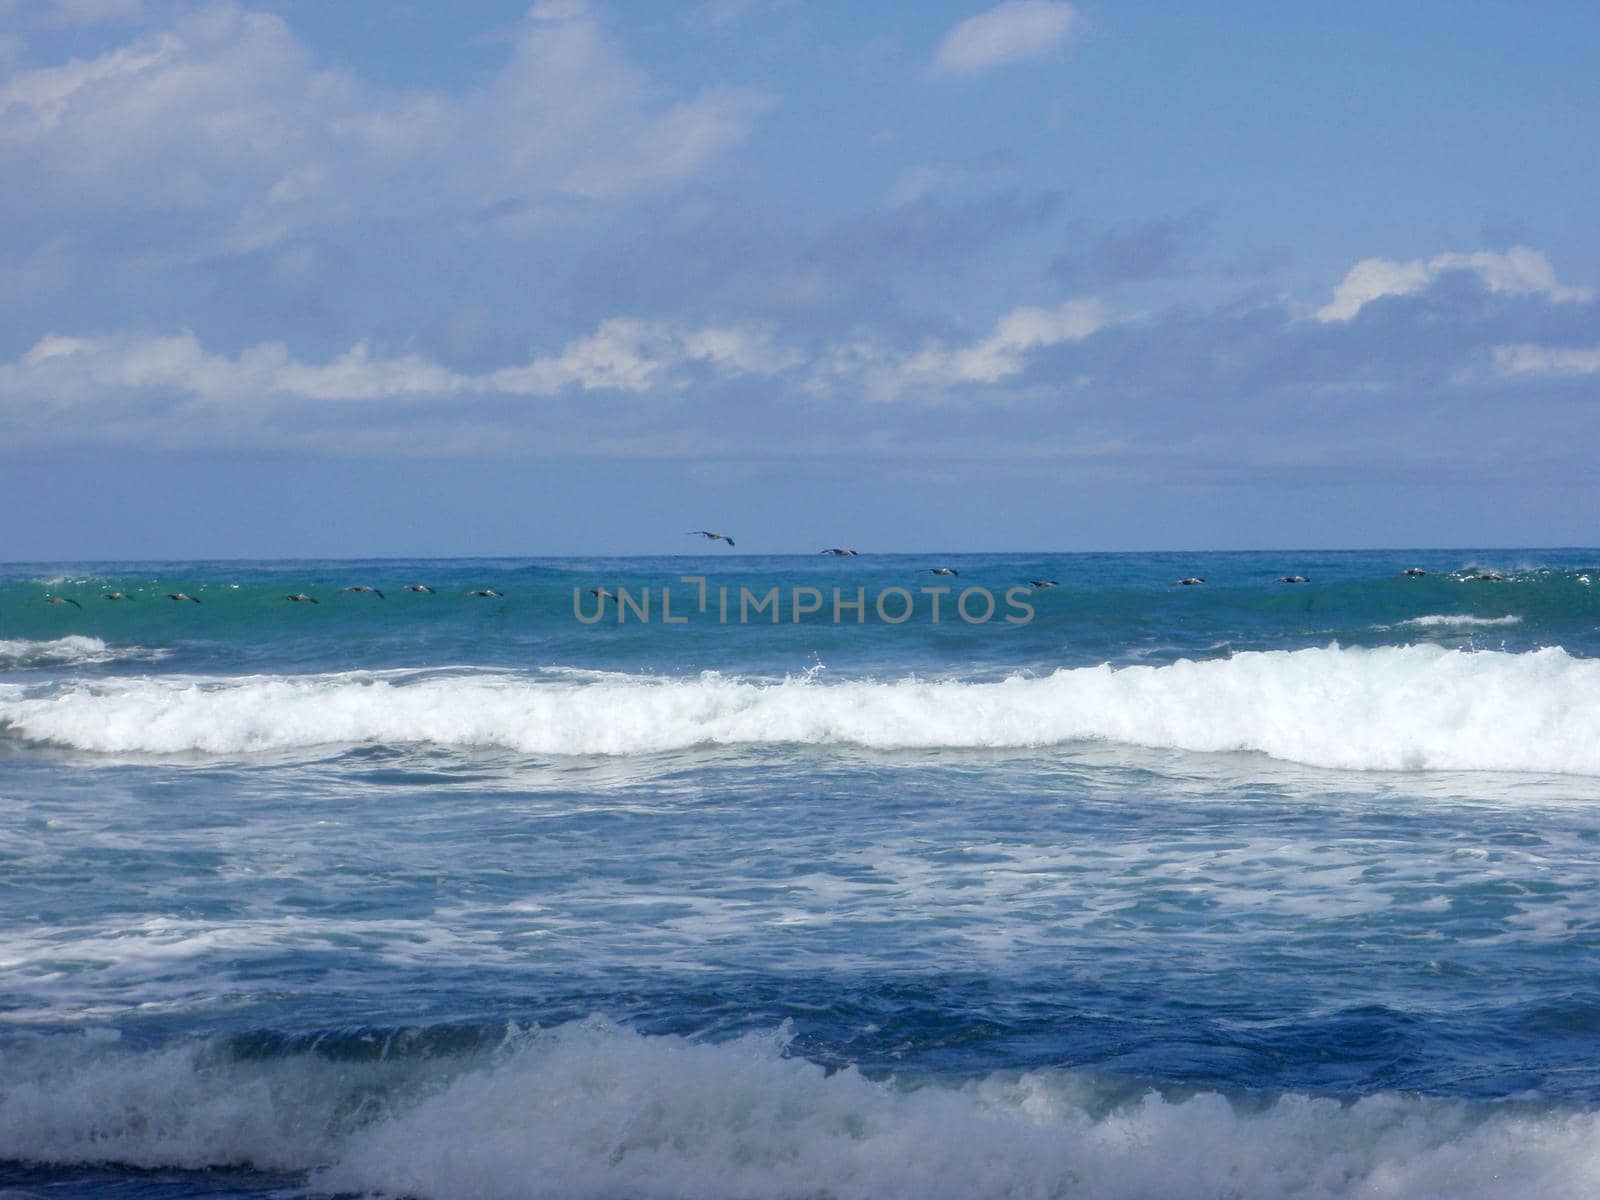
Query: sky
point(303, 279)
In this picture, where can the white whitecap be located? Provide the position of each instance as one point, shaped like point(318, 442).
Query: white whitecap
point(69, 651)
point(1423, 707)
point(591, 1110)
point(1459, 620)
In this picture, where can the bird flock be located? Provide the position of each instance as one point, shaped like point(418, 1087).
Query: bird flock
point(713, 536)
point(292, 597)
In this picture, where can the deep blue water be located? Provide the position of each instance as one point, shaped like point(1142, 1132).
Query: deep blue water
point(1247, 888)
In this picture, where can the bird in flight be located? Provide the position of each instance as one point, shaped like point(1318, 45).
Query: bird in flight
point(419, 587)
point(943, 571)
point(182, 596)
point(62, 600)
point(484, 592)
point(118, 596)
point(1036, 584)
point(840, 552)
point(1412, 572)
point(301, 598)
point(361, 587)
point(715, 537)
point(1192, 581)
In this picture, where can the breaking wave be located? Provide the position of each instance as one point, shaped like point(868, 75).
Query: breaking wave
point(68, 651)
point(1422, 707)
point(593, 1110)
point(1453, 621)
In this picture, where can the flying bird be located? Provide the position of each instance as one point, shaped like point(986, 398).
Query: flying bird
point(419, 587)
point(1293, 579)
point(361, 587)
point(841, 552)
point(715, 537)
point(1043, 583)
point(1192, 581)
point(119, 596)
point(603, 594)
point(1489, 577)
point(62, 600)
point(182, 596)
point(484, 592)
point(301, 598)
point(1412, 572)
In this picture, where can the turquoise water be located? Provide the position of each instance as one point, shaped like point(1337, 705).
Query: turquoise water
point(1246, 888)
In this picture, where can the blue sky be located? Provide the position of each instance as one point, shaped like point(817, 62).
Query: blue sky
point(386, 279)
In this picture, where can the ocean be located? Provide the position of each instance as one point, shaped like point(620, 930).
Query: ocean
point(1240, 889)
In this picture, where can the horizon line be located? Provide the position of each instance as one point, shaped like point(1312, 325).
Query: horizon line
point(88, 562)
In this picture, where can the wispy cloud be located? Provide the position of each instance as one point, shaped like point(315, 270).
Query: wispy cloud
point(1009, 32)
point(1520, 271)
point(883, 373)
point(622, 354)
point(1074, 371)
point(1529, 359)
point(227, 118)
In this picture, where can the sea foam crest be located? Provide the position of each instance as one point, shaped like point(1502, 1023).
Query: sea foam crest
point(591, 1110)
point(67, 651)
point(1421, 707)
point(1459, 621)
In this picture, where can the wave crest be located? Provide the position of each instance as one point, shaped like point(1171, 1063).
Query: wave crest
point(591, 1110)
point(67, 651)
point(1421, 707)
point(1456, 620)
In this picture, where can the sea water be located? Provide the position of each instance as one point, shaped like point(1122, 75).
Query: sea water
point(1239, 889)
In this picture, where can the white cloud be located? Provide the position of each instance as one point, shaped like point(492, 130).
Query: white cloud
point(1022, 330)
point(1520, 271)
point(623, 354)
point(212, 113)
point(740, 351)
point(227, 117)
point(1529, 359)
point(172, 390)
point(886, 374)
point(1009, 32)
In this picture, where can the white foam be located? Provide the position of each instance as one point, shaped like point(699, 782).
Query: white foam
point(1423, 707)
point(67, 651)
point(590, 1110)
point(1454, 620)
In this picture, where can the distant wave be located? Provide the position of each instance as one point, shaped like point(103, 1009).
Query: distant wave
point(1453, 620)
point(67, 651)
point(591, 1110)
point(1422, 707)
